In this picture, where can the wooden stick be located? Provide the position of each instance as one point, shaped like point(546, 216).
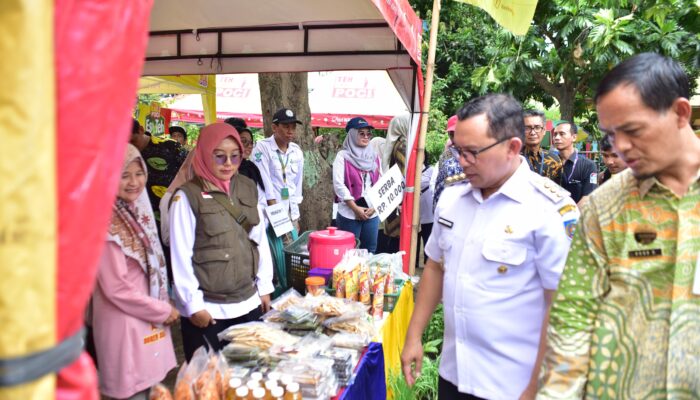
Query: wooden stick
point(420, 153)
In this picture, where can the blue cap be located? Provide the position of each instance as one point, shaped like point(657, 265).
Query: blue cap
point(357, 123)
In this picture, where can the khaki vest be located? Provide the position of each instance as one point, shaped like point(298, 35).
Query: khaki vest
point(225, 260)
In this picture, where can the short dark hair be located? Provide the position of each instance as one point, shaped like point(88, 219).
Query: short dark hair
point(659, 80)
point(605, 144)
point(248, 131)
point(238, 123)
point(530, 112)
point(504, 113)
point(135, 127)
point(574, 128)
point(178, 129)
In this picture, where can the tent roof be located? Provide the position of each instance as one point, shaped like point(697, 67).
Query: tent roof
point(237, 36)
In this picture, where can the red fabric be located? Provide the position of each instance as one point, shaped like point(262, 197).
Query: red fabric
point(407, 205)
point(405, 24)
point(100, 47)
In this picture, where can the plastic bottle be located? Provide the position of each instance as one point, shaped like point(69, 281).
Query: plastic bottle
point(258, 393)
point(269, 385)
point(233, 384)
point(277, 393)
point(242, 393)
point(292, 392)
point(252, 384)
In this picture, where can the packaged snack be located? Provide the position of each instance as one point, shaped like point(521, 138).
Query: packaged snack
point(352, 280)
point(356, 341)
point(352, 322)
point(286, 299)
point(315, 285)
point(183, 383)
point(378, 301)
point(160, 392)
point(256, 334)
point(339, 283)
point(389, 286)
point(364, 286)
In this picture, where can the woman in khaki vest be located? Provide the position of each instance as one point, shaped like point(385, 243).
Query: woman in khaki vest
point(222, 267)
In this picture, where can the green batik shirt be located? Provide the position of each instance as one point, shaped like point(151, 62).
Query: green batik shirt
point(625, 323)
point(544, 163)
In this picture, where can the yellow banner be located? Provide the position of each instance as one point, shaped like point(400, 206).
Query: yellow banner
point(514, 15)
point(28, 220)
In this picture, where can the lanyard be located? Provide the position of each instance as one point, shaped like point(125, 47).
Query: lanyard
point(573, 168)
point(284, 166)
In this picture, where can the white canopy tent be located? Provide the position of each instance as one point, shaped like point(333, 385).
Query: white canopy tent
point(235, 36)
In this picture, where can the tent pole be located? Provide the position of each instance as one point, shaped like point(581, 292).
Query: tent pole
point(420, 153)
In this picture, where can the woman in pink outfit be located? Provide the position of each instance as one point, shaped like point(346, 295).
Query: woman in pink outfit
point(131, 309)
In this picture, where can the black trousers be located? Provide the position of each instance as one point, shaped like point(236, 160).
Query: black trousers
point(448, 391)
point(194, 337)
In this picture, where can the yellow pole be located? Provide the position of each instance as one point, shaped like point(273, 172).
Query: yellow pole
point(420, 154)
point(28, 220)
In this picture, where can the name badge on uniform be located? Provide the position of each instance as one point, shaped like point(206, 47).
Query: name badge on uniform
point(285, 193)
point(644, 253)
point(446, 223)
point(206, 195)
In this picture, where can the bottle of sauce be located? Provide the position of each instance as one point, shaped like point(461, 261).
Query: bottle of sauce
point(277, 393)
point(233, 384)
point(242, 393)
point(292, 392)
point(258, 393)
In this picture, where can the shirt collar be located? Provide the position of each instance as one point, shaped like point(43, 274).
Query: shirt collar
point(645, 185)
point(515, 187)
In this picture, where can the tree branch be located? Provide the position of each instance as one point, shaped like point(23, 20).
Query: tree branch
point(551, 89)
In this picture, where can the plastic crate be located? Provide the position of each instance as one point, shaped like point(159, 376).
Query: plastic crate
point(296, 258)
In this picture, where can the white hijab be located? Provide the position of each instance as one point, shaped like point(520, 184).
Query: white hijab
point(398, 127)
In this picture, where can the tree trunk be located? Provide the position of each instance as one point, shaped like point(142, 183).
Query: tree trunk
point(567, 98)
point(290, 90)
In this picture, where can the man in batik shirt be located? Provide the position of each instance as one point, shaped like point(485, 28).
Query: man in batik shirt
point(538, 159)
point(163, 157)
point(625, 323)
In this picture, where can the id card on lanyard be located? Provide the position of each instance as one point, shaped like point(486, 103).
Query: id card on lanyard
point(573, 168)
point(284, 191)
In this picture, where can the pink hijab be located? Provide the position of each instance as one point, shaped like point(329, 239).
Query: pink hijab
point(203, 163)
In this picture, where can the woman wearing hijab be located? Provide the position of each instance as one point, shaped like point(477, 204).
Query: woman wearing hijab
point(394, 154)
point(222, 267)
point(356, 168)
point(131, 310)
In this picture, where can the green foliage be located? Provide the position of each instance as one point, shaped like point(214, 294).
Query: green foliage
point(436, 327)
point(569, 47)
point(425, 387)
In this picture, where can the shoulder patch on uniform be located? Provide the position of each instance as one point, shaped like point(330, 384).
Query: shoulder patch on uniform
point(570, 228)
point(593, 178)
point(551, 190)
point(258, 156)
point(454, 179)
point(176, 198)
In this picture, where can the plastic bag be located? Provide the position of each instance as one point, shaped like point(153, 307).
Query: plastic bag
point(257, 334)
point(160, 392)
point(352, 322)
point(183, 384)
point(286, 299)
point(356, 341)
